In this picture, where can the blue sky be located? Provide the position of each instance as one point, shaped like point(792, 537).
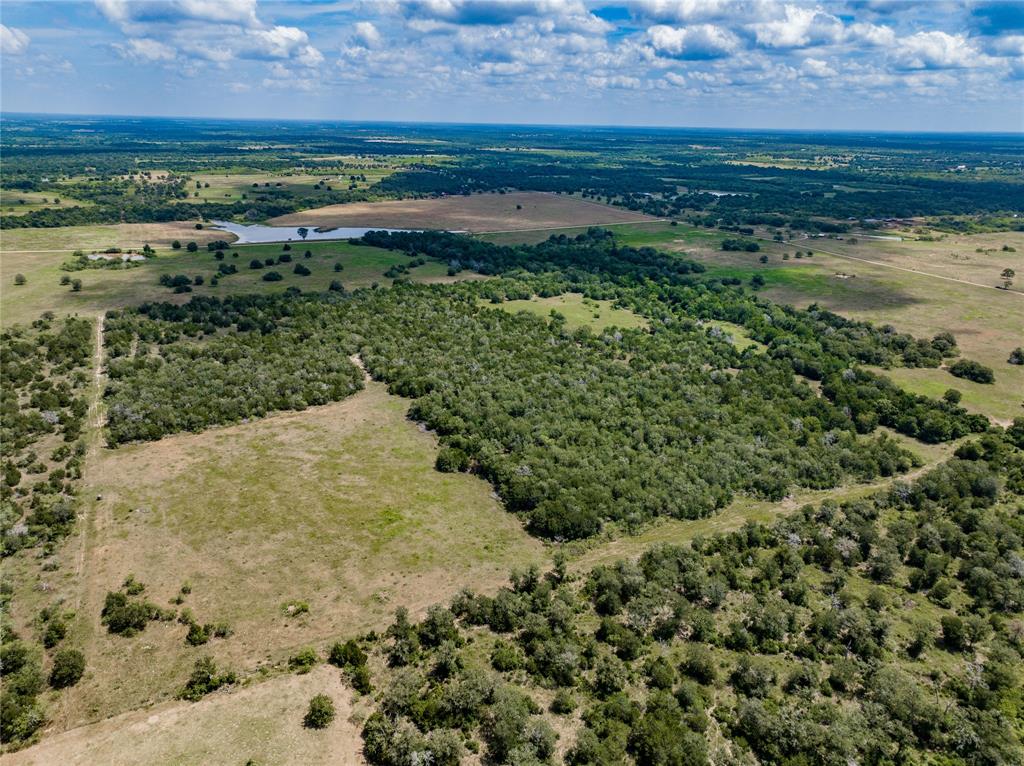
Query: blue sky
point(834, 64)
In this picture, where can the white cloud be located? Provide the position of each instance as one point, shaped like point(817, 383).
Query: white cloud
point(241, 12)
point(936, 50)
point(142, 49)
point(13, 42)
point(618, 82)
point(367, 34)
point(798, 27)
point(817, 68)
point(701, 41)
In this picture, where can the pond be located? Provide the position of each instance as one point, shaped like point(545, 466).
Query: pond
point(258, 233)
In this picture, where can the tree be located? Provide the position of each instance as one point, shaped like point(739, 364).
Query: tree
point(192, 247)
point(1008, 274)
point(302, 231)
point(68, 668)
point(19, 279)
point(176, 245)
point(320, 713)
point(76, 285)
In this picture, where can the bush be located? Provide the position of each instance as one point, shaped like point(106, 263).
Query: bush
point(192, 247)
point(68, 667)
point(563, 703)
point(302, 270)
point(451, 460)
point(205, 679)
point(320, 712)
point(303, 660)
point(1016, 356)
point(255, 263)
point(19, 279)
point(979, 373)
point(347, 655)
point(272, 276)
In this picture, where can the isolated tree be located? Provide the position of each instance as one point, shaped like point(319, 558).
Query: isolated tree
point(1008, 275)
point(68, 667)
point(192, 247)
point(302, 231)
point(76, 285)
point(19, 279)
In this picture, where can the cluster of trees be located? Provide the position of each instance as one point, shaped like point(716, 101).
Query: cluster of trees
point(880, 630)
point(28, 666)
point(210, 377)
point(42, 413)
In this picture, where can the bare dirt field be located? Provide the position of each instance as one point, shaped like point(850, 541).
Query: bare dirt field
point(261, 722)
point(476, 213)
point(338, 507)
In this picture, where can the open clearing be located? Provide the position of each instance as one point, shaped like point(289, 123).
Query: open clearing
point(475, 213)
point(338, 507)
point(262, 722)
point(577, 310)
point(108, 288)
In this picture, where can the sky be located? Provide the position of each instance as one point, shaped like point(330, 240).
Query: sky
point(917, 65)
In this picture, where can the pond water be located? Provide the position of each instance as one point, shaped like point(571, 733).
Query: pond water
point(258, 233)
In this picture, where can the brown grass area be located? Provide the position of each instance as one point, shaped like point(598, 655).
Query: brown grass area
point(476, 213)
point(339, 507)
point(262, 722)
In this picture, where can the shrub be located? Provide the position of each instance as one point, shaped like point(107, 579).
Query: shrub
point(19, 279)
point(255, 263)
point(76, 285)
point(320, 712)
point(303, 660)
point(563, 703)
point(347, 654)
point(969, 370)
point(272, 276)
point(338, 267)
point(192, 247)
point(54, 633)
point(124, 616)
point(1016, 356)
point(198, 634)
point(68, 668)
point(451, 460)
point(205, 679)
point(176, 245)
point(302, 270)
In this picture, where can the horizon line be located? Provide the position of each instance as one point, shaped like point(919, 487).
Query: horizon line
point(565, 125)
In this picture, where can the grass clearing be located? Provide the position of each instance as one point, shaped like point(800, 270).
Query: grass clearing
point(475, 213)
point(579, 311)
point(262, 722)
point(338, 507)
point(19, 202)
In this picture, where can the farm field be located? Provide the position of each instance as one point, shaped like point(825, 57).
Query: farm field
point(474, 213)
point(338, 507)
point(578, 311)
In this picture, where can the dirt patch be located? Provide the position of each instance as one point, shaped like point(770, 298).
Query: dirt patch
point(476, 213)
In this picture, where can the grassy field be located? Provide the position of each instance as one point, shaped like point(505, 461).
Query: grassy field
point(104, 289)
point(338, 507)
point(261, 722)
point(577, 310)
point(18, 202)
point(476, 213)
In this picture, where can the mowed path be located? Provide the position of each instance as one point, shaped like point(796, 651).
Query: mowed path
point(477, 213)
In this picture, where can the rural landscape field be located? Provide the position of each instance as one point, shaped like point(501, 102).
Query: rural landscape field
point(424, 443)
